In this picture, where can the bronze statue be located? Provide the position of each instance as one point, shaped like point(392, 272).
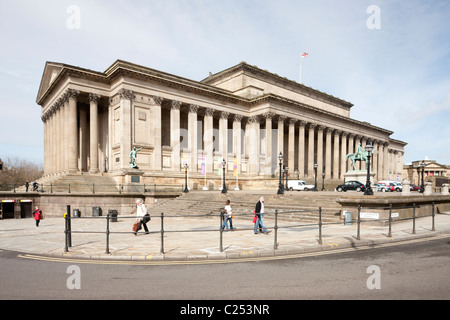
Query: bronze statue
point(133, 158)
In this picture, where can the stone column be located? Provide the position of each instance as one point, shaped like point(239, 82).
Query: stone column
point(336, 155)
point(156, 130)
point(175, 134)
point(328, 163)
point(311, 159)
point(350, 149)
point(93, 132)
point(343, 153)
point(254, 145)
point(268, 164)
point(64, 132)
point(291, 145)
point(280, 147)
point(237, 140)
point(83, 140)
point(223, 135)
point(58, 140)
point(192, 137)
point(320, 152)
point(301, 149)
point(386, 161)
point(72, 131)
point(126, 98)
point(208, 139)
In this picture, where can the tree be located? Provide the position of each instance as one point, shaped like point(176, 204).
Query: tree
point(16, 172)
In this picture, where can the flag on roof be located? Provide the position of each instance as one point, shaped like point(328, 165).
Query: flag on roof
point(304, 54)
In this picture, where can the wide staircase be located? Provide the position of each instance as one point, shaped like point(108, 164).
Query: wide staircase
point(298, 206)
point(78, 183)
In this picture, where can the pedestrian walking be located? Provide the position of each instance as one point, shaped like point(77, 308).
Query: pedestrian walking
point(259, 211)
point(27, 184)
point(228, 216)
point(37, 213)
point(142, 216)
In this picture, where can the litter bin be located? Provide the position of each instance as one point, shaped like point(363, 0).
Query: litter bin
point(76, 213)
point(96, 212)
point(348, 218)
point(113, 215)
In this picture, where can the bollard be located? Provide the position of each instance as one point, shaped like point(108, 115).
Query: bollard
point(162, 233)
point(358, 233)
point(66, 232)
point(414, 219)
point(69, 228)
point(221, 232)
point(107, 233)
point(320, 225)
point(390, 221)
point(275, 244)
point(432, 217)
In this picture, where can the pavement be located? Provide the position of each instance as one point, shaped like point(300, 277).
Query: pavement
point(198, 238)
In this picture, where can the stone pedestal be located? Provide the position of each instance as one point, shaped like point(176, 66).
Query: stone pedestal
point(406, 188)
point(132, 180)
point(428, 188)
point(444, 189)
point(359, 175)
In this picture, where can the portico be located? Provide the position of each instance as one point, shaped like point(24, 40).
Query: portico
point(93, 119)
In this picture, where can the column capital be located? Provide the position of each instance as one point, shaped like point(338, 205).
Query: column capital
point(237, 118)
point(292, 121)
point(209, 112)
point(175, 105)
point(157, 100)
point(126, 94)
point(281, 119)
point(253, 120)
point(337, 133)
point(268, 115)
point(320, 128)
point(302, 123)
point(94, 97)
point(72, 94)
point(193, 108)
point(224, 115)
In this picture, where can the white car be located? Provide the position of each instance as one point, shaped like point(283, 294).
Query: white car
point(299, 185)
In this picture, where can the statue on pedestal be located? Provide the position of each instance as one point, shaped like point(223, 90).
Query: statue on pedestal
point(359, 155)
point(133, 158)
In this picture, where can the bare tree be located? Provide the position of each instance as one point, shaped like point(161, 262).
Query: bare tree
point(16, 172)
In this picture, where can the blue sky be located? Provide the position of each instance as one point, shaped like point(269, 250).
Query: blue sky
point(397, 75)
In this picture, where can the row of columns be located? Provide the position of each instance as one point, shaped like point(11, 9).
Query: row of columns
point(61, 134)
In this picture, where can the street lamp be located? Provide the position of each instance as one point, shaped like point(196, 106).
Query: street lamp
point(368, 191)
point(186, 189)
point(224, 186)
point(280, 185)
point(422, 186)
point(315, 177)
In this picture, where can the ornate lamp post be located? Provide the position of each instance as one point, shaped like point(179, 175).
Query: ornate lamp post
point(224, 186)
point(186, 189)
point(422, 185)
point(280, 185)
point(315, 177)
point(368, 191)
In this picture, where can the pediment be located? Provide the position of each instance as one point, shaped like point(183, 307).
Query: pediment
point(51, 71)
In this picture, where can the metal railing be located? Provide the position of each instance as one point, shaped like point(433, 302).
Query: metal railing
point(93, 188)
point(276, 226)
point(390, 218)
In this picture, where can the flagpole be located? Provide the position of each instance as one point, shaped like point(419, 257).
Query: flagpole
point(301, 69)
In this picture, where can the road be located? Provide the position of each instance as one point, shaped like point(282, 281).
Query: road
point(417, 270)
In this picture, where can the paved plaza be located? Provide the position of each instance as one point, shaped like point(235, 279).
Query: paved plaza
point(197, 238)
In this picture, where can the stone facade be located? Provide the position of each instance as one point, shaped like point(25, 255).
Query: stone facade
point(243, 115)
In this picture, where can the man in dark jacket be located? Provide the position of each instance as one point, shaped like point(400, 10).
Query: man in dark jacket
point(259, 211)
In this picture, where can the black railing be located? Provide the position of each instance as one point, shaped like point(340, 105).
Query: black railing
point(276, 226)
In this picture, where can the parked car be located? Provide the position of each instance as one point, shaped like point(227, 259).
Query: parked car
point(386, 187)
point(414, 187)
point(382, 187)
point(299, 185)
point(351, 185)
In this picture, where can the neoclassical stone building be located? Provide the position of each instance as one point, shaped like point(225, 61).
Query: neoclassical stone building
point(243, 114)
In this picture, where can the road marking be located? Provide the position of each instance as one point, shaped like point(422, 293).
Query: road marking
point(329, 251)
